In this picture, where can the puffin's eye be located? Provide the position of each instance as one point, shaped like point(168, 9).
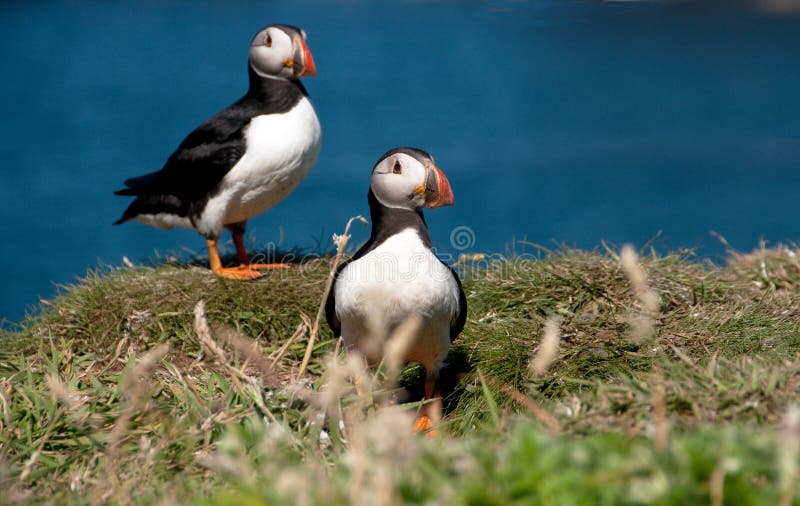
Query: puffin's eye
point(268, 42)
point(397, 169)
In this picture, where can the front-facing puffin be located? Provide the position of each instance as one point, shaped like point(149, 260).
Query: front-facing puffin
point(396, 276)
point(243, 160)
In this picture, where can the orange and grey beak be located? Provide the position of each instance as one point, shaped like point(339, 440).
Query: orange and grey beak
point(437, 188)
point(303, 63)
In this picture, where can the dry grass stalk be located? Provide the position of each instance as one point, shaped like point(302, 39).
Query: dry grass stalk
point(341, 244)
point(716, 482)
point(72, 402)
point(203, 331)
point(533, 408)
point(251, 352)
point(397, 347)
point(548, 347)
point(337, 385)
point(716, 485)
point(643, 331)
point(375, 345)
point(382, 448)
point(243, 381)
point(133, 388)
point(135, 383)
point(789, 451)
point(60, 391)
point(659, 408)
point(643, 322)
point(302, 327)
point(5, 392)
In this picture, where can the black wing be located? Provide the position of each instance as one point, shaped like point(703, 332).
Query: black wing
point(330, 310)
point(195, 169)
point(330, 304)
point(461, 317)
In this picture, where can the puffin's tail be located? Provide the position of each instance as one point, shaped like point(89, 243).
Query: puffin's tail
point(149, 183)
point(127, 192)
point(147, 189)
point(130, 213)
point(132, 210)
point(152, 204)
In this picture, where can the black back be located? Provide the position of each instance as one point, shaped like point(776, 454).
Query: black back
point(193, 172)
point(386, 222)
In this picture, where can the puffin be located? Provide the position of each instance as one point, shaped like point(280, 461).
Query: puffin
point(241, 161)
point(396, 276)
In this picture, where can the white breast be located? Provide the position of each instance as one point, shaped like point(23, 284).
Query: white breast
point(399, 279)
point(281, 149)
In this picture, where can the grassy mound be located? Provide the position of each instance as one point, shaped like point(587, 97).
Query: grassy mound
point(661, 380)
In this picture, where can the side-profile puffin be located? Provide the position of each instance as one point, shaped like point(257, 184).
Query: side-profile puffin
point(396, 276)
point(243, 160)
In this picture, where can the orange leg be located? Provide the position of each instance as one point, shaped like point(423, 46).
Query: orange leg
point(431, 413)
point(227, 272)
point(244, 258)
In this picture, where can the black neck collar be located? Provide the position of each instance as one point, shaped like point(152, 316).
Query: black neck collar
point(388, 221)
point(274, 90)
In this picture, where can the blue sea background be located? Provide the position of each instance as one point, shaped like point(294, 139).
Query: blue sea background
point(557, 122)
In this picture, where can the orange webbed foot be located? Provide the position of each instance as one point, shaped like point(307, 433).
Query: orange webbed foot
point(238, 273)
point(265, 267)
point(424, 424)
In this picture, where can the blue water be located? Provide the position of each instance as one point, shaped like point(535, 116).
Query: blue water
point(556, 122)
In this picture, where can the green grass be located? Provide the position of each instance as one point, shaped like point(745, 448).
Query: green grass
point(111, 396)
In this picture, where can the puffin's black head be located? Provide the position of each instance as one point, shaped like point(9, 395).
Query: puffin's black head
point(281, 51)
point(407, 178)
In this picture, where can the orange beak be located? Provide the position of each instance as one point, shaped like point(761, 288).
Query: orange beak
point(303, 61)
point(437, 189)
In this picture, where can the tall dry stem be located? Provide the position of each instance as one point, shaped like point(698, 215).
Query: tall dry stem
point(659, 408)
point(203, 330)
point(642, 322)
point(397, 347)
point(643, 331)
point(341, 244)
point(789, 452)
point(250, 351)
point(548, 347)
point(134, 386)
point(382, 449)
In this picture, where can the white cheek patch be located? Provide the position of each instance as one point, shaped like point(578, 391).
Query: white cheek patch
point(392, 191)
point(399, 190)
point(269, 61)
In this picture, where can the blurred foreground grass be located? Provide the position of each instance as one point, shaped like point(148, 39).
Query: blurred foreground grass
point(676, 387)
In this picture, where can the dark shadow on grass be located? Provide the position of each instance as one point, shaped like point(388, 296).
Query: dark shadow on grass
point(456, 366)
point(269, 254)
